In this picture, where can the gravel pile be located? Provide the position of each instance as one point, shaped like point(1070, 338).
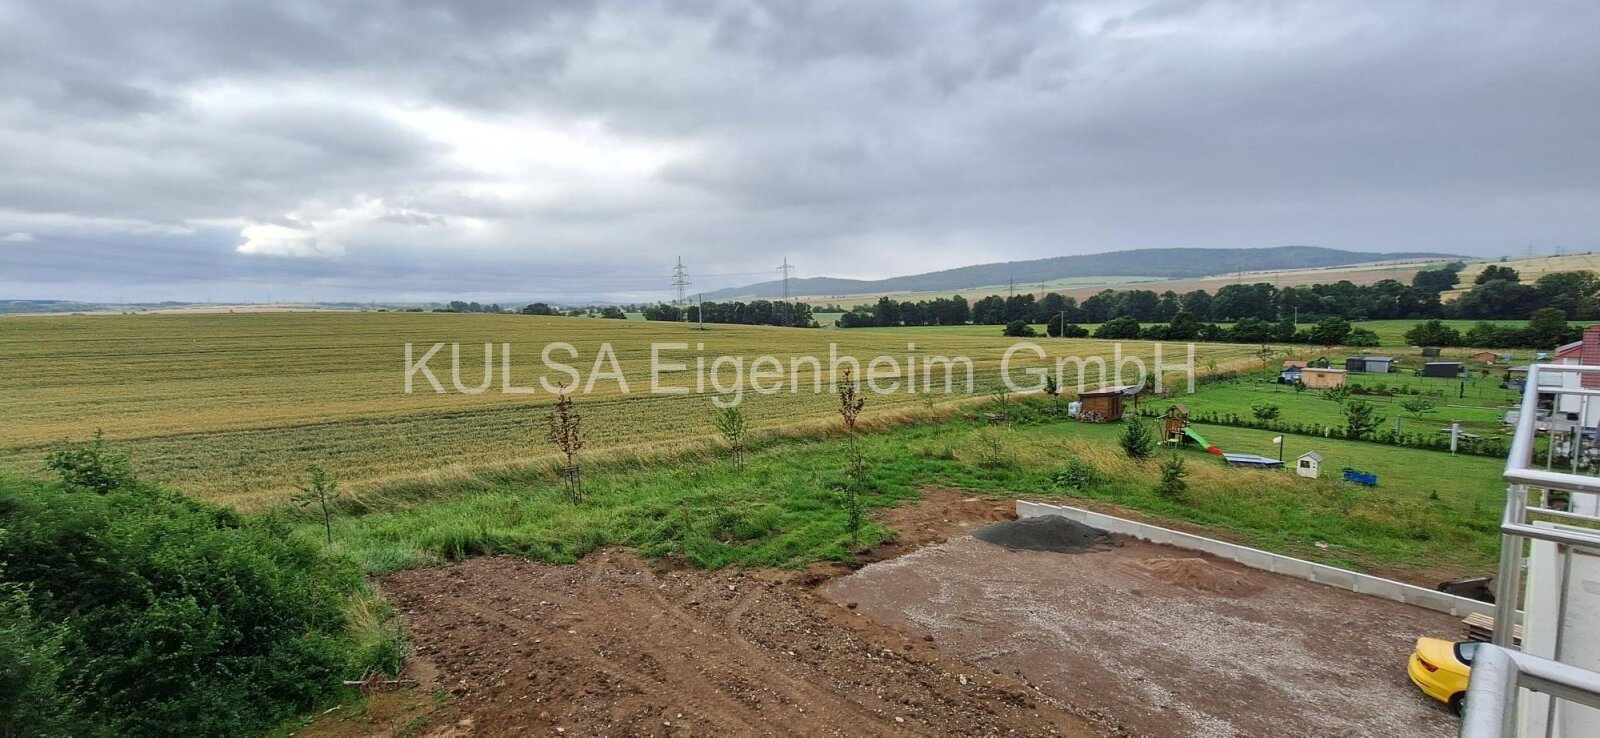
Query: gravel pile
point(1045, 533)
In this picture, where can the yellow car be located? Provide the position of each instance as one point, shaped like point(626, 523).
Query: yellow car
point(1440, 668)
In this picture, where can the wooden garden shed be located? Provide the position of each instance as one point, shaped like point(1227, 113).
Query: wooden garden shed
point(1105, 402)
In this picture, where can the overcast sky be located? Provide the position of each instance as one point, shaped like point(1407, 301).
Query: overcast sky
point(535, 149)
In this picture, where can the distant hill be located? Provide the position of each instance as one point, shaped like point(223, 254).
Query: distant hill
point(1152, 263)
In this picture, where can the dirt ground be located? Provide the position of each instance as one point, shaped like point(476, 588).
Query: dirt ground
point(1164, 641)
point(935, 638)
point(616, 645)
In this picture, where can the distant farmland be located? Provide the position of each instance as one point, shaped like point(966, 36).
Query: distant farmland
point(232, 407)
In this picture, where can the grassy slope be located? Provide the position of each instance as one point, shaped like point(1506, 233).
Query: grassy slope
point(232, 407)
point(786, 508)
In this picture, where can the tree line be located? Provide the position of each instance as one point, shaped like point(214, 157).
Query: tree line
point(1497, 293)
point(755, 312)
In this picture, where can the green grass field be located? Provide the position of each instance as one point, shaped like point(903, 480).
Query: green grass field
point(233, 407)
point(1480, 411)
point(787, 507)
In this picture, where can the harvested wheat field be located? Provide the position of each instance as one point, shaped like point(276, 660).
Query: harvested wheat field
point(1162, 640)
point(231, 408)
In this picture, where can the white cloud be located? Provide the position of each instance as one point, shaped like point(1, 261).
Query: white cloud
point(276, 240)
point(18, 237)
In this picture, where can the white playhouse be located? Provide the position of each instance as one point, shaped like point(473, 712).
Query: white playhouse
point(1310, 465)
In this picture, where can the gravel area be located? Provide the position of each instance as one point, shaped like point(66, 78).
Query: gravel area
point(1164, 641)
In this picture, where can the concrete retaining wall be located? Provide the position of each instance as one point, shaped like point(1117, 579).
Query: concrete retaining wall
point(1266, 561)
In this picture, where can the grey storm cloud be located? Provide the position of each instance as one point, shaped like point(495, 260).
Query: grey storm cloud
point(572, 150)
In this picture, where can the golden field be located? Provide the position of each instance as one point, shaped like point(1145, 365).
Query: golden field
point(233, 407)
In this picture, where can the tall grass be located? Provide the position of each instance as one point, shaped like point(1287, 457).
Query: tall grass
point(785, 509)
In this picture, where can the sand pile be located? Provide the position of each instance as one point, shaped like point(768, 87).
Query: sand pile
point(1199, 575)
point(1045, 533)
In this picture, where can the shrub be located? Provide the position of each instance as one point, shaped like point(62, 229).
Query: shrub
point(1417, 406)
point(994, 453)
point(31, 701)
point(90, 467)
point(1136, 439)
point(1079, 475)
point(1020, 329)
point(1264, 410)
point(174, 617)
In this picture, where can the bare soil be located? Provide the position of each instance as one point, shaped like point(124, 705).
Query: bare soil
point(616, 645)
point(1165, 641)
point(959, 637)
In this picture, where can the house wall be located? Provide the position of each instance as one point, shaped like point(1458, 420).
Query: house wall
point(1321, 380)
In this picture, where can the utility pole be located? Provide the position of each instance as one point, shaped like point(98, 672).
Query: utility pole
point(680, 280)
point(784, 270)
point(1011, 286)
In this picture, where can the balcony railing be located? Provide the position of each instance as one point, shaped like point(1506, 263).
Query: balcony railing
point(1499, 671)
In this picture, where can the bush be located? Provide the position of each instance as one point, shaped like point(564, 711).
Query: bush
point(993, 452)
point(31, 702)
point(1264, 410)
point(1056, 329)
point(90, 467)
point(1079, 475)
point(174, 617)
point(1136, 440)
point(1020, 329)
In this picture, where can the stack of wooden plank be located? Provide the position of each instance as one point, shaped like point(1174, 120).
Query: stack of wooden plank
point(1481, 628)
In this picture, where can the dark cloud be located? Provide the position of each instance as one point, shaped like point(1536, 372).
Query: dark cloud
point(576, 148)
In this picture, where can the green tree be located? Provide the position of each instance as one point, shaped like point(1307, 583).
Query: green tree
point(1548, 327)
point(1118, 328)
point(1495, 272)
point(1136, 439)
point(731, 424)
point(1020, 329)
point(1330, 332)
point(321, 491)
point(1360, 418)
point(1172, 485)
point(1337, 394)
point(1433, 333)
point(1264, 411)
point(1362, 337)
point(1055, 329)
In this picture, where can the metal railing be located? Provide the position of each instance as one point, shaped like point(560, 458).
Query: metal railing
point(1499, 672)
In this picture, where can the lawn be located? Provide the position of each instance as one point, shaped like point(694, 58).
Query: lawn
point(1480, 410)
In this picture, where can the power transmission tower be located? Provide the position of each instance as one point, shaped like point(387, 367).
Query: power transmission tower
point(1011, 286)
point(784, 270)
point(680, 280)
